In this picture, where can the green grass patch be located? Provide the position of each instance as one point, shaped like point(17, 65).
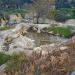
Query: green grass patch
point(60, 30)
point(4, 27)
point(3, 58)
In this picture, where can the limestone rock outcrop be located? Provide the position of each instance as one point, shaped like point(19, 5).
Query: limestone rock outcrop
point(15, 39)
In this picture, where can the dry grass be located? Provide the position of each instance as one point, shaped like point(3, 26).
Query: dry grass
point(56, 63)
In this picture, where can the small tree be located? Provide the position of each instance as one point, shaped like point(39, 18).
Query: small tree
point(42, 8)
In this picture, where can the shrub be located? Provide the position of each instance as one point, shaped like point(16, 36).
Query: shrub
point(4, 27)
point(3, 58)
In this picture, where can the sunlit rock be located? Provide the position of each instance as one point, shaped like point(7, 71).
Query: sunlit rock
point(63, 48)
point(70, 22)
point(37, 49)
point(24, 42)
point(52, 45)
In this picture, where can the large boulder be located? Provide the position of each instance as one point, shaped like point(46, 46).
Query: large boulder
point(18, 44)
point(15, 39)
point(22, 43)
point(20, 29)
point(70, 22)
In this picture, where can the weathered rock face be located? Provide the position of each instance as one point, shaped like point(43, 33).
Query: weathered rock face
point(22, 42)
point(20, 29)
point(15, 39)
point(55, 47)
point(18, 44)
point(45, 49)
point(58, 55)
point(70, 22)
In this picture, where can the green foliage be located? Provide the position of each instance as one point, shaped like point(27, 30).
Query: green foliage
point(60, 30)
point(5, 27)
point(13, 3)
point(15, 46)
point(65, 13)
point(3, 58)
point(4, 13)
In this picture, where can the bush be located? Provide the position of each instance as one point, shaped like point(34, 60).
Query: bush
point(3, 58)
point(64, 14)
point(4, 27)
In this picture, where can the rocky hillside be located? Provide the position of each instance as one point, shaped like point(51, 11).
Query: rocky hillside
point(53, 59)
